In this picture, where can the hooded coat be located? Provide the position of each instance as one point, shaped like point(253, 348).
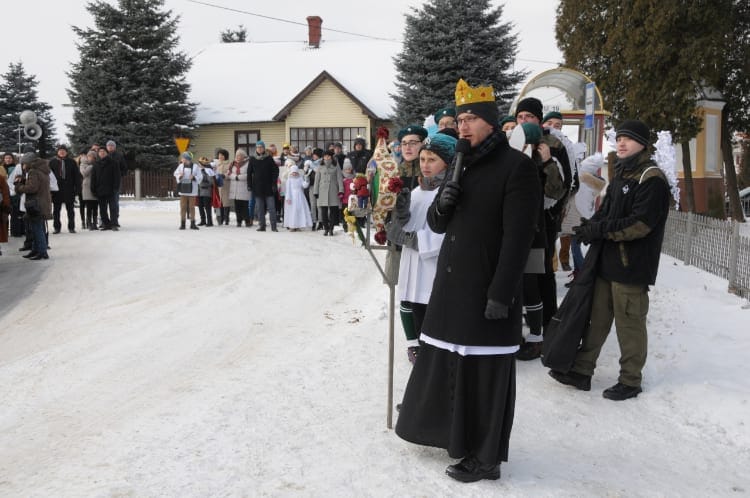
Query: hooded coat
point(487, 242)
point(329, 182)
point(37, 185)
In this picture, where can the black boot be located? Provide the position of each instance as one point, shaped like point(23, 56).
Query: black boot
point(193, 225)
point(471, 470)
point(182, 225)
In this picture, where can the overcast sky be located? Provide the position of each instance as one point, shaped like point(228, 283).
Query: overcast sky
point(48, 56)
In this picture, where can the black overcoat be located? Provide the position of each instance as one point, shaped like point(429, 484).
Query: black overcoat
point(486, 244)
point(262, 174)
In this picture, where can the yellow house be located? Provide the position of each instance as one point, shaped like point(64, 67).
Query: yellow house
point(307, 93)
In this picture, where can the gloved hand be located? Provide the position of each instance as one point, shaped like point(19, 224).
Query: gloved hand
point(396, 234)
point(495, 310)
point(449, 197)
point(316, 196)
point(588, 232)
point(401, 209)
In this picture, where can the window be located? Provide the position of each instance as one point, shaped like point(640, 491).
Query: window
point(245, 139)
point(320, 137)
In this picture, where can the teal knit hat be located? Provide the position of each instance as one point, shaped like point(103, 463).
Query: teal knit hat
point(442, 145)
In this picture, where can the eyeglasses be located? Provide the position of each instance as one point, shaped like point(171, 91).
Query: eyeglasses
point(411, 143)
point(466, 120)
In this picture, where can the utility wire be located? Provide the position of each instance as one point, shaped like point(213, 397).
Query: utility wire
point(287, 20)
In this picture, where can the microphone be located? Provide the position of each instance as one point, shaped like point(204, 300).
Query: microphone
point(462, 147)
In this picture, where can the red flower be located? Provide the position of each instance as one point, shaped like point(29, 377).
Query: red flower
point(395, 185)
point(380, 237)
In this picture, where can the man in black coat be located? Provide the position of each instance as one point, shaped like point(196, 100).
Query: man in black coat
point(105, 185)
point(69, 179)
point(360, 156)
point(628, 229)
point(461, 392)
point(120, 165)
point(262, 175)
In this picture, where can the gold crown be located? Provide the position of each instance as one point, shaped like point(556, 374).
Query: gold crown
point(468, 95)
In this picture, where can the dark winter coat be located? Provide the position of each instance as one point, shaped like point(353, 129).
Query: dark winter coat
point(632, 218)
point(105, 178)
point(487, 241)
point(359, 159)
point(68, 181)
point(36, 186)
point(262, 175)
point(120, 163)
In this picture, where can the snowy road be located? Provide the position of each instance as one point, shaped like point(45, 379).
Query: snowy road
point(227, 362)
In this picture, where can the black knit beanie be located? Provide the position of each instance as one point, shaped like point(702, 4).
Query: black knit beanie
point(637, 130)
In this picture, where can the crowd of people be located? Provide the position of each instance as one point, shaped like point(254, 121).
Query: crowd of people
point(306, 190)
point(473, 233)
point(38, 189)
point(477, 231)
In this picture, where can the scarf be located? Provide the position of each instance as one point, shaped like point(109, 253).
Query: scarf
point(433, 182)
point(495, 139)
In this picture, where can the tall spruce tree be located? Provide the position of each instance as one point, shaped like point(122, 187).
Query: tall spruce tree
point(129, 85)
point(17, 94)
point(651, 59)
point(450, 39)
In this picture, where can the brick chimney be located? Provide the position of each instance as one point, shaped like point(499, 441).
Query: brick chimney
point(313, 30)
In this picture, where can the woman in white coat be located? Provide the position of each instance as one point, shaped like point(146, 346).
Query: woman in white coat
point(188, 177)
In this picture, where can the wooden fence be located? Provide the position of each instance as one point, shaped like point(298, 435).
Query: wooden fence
point(153, 184)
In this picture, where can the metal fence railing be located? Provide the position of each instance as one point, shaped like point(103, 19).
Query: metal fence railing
point(710, 244)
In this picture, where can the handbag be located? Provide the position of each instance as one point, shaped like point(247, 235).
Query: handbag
point(185, 187)
point(32, 206)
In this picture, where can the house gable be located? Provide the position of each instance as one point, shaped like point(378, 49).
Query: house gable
point(330, 93)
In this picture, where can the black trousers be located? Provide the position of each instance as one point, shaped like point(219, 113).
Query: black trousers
point(57, 204)
point(204, 210)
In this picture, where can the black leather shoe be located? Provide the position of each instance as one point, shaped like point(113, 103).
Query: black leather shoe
point(30, 255)
point(471, 470)
point(56, 231)
point(620, 392)
point(261, 229)
point(529, 351)
point(579, 381)
point(24, 248)
point(38, 257)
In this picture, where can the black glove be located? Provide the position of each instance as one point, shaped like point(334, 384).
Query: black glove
point(588, 232)
point(316, 195)
point(449, 197)
point(401, 210)
point(495, 310)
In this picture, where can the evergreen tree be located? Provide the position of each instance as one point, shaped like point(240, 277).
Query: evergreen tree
point(238, 35)
point(450, 39)
point(17, 94)
point(129, 85)
point(649, 58)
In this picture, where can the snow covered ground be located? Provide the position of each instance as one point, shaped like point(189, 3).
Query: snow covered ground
point(227, 362)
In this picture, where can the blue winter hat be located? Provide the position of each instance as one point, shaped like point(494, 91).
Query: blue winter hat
point(441, 144)
point(260, 143)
